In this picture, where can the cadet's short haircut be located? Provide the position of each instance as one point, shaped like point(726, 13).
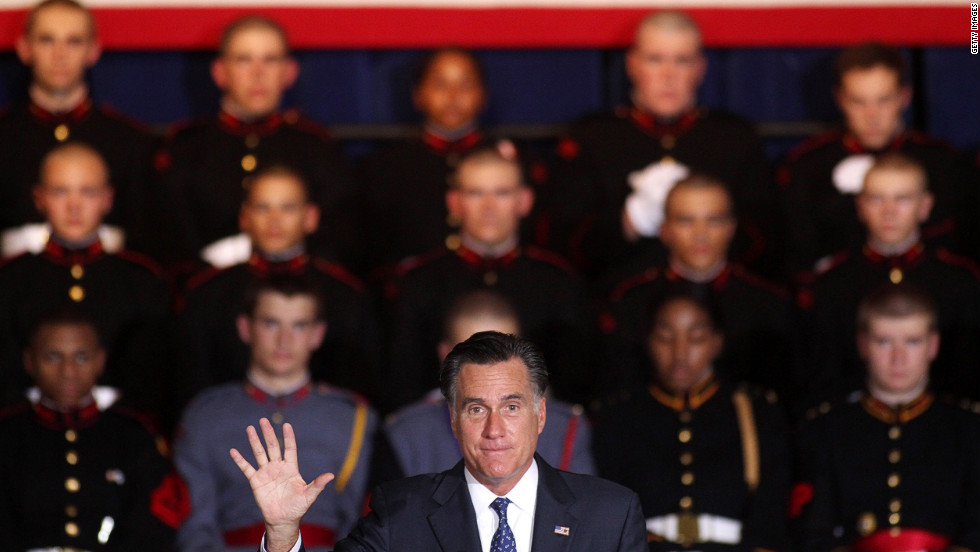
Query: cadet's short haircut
point(699, 181)
point(890, 300)
point(249, 22)
point(485, 348)
point(478, 304)
point(668, 20)
point(277, 170)
point(503, 151)
point(702, 298)
point(869, 55)
point(67, 314)
point(69, 149)
point(289, 285)
point(429, 59)
point(894, 161)
point(71, 4)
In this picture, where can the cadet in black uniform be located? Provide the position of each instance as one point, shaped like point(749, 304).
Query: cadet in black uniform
point(820, 177)
point(122, 291)
point(894, 201)
point(697, 230)
point(489, 199)
point(896, 468)
point(277, 215)
point(59, 44)
point(617, 167)
point(77, 475)
point(205, 162)
point(709, 459)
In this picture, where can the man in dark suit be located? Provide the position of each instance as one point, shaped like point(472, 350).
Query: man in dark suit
point(501, 496)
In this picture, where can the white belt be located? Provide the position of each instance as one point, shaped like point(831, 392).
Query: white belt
point(710, 528)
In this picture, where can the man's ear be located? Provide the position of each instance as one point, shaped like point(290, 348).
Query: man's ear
point(862, 345)
point(906, 95)
point(244, 325)
point(29, 365)
point(292, 73)
point(525, 200)
point(93, 54)
point(542, 414)
point(24, 50)
point(219, 73)
point(37, 193)
point(453, 203)
point(319, 332)
point(311, 218)
point(925, 207)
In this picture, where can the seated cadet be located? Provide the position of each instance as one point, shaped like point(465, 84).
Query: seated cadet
point(277, 215)
point(283, 323)
point(698, 226)
point(893, 202)
point(615, 169)
point(123, 291)
point(710, 459)
point(420, 435)
point(489, 198)
point(895, 469)
point(820, 177)
point(205, 161)
point(59, 44)
point(76, 476)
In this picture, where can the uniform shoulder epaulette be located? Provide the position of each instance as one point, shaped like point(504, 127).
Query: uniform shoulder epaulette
point(411, 263)
point(955, 259)
point(203, 277)
point(921, 138)
point(817, 411)
point(342, 393)
point(10, 260)
point(550, 257)
point(338, 272)
point(831, 262)
point(143, 421)
point(13, 410)
point(630, 282)
point(142, 260)
point(296, 119)
point(113, 113)
point(758, 281)
point(812, 143)
point(186, 125)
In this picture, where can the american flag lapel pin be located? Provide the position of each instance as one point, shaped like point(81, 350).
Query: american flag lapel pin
point(561, 530)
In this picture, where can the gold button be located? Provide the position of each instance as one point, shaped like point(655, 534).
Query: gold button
point(895, 275)
point(893, 480)
point(684, 435)
point(277, 418)
point(490, 278)
point(668, 142)
point(71, 436)
point(249, 162)
point(894, 433)
point(687, 478)
point(895, 505)
point(686, 503)
point(76, 293)
point(71, 457)
point(77, 271)
point(685, 417)
point(61, 132)
point(71, 511)
point(71, 529)
point(894, 519)
point(72, 485)
point(687, 458)
point(894, 456)
point(251, 140)
point(452, 242)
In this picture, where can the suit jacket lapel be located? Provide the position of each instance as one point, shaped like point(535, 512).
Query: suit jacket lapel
point(552, 515)
point(453, 534)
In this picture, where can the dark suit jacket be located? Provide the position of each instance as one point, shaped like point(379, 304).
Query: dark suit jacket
point(434, 512)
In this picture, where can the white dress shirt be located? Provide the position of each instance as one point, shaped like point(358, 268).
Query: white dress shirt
point(520, 511)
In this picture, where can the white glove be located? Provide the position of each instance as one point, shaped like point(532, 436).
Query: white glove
point(228, 251)
point(645, 206)
point(849, 174)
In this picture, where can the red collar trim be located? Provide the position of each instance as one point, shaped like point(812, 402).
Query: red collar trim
point(283, 401)
point(898, 261)
point(444, 147)
point(648, 123)
point(262, 127)
point(61, 255)
point(476, 262)
point(898, 415)
point(690, 401)
point(263, 267)
point(72, 419)
point(853, 145)
point(717, 284)
point(76, 114)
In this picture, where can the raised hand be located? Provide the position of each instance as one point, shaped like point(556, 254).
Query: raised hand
point(279, 489)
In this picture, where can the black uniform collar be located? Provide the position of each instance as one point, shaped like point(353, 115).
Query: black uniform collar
point(74, 418)
point(279, 401)
point(443, 146)
point(263, 266)
point(477, 262)
point(854, 146)
point(260, 127)
point(692, 400)
point(717, 284)
point(658, 129)
point(900, 415)
point(74, 115)
point(910, 257)
point(60, 254)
